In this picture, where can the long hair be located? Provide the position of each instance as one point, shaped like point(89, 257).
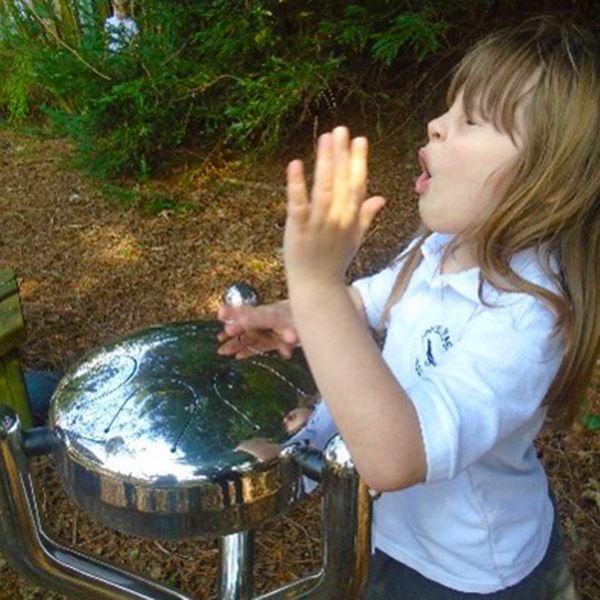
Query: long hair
point(552, 203)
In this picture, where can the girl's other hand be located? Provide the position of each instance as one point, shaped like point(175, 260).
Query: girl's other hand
point(249, 330)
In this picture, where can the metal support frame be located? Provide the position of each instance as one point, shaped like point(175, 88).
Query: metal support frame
point(65, 570)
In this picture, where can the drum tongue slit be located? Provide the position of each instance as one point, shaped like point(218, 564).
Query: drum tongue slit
point(254, 426)
point(277, 374)
point(112, 421)
point(183, 430)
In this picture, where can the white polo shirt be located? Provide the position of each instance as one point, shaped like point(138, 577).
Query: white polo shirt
point(477, 377)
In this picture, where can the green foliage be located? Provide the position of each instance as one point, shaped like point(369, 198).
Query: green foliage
point(391, 31)
point(18, 87)
point(418, 31)
point(353, 30)
point(259, 114)
point(592, 422)
point(219, 72)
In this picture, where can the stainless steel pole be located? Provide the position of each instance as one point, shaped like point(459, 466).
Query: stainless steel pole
point(236, 574)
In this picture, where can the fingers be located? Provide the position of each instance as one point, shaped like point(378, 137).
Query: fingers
point(252, 344)
point(289, 336)
point(341, 171)
point(233, 348)
point(358, 172)
point(285, 350)
point(246, 318)
point(322, 192)
point(368, 210)
point(340, 177)
point(229, 347)
point(249, 330)
point(298, 206)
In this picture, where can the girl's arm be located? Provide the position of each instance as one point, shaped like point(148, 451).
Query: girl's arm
point(371, 409)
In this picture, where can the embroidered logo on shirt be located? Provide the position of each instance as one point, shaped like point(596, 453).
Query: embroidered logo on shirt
point(434, 341)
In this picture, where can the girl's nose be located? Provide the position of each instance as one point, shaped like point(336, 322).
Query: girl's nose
point(436, 129)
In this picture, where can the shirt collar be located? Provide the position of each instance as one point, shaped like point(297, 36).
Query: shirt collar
point(466, 282)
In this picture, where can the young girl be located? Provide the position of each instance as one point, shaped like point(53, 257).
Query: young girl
point(120, 28)
point(491, 318)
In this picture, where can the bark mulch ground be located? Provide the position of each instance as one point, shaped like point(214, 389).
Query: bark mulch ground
point(90, 270)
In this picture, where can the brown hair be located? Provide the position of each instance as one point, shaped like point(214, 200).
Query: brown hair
point(552, 203)
point(122, 5)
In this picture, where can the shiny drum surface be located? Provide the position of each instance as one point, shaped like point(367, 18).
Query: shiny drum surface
point(162, 437)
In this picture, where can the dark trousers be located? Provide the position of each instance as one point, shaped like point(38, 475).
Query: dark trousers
point(550, 580)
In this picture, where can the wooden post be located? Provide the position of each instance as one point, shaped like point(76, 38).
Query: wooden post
point(12, 332)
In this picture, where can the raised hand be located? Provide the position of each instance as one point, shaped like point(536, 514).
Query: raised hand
point(324, 231)
point(251, 329)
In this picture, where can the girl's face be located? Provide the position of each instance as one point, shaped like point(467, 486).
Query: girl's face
point(466, 165)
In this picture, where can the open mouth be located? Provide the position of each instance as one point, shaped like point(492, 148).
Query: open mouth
point(424, 178)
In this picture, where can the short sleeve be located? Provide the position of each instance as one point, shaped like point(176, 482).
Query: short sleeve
point(376, 289)
point(374, 292)
point(487, 386)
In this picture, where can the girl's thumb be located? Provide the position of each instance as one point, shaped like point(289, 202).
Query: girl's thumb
point(370, 207)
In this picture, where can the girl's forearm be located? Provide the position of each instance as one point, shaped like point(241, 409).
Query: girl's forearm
point(372, 411)
point(354, 296)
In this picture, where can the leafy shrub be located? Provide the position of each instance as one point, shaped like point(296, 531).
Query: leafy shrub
point(19, 87)
point(233, 73)
point(387, 33)
point(416, 30)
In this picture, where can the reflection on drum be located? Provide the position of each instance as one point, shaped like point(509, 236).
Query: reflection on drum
point(153, 435)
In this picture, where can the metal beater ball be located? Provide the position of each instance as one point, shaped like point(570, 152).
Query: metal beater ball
point(241, 293)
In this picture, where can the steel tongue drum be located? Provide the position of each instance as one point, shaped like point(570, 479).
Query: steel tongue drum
point(159, 436)
point(152, 429)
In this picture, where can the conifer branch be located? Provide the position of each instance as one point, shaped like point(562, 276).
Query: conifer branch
point(53, 33)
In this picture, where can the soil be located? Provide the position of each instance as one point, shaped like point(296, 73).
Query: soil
point(90, 270)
